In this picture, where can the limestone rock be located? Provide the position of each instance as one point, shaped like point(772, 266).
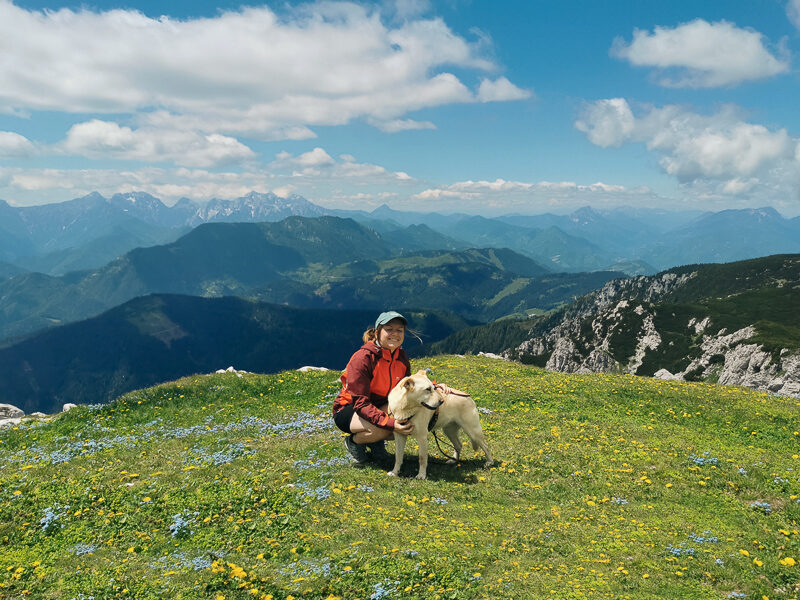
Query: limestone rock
point(492, 355)
point(666, 375)
point(9, 411)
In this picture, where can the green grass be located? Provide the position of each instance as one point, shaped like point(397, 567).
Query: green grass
point(225, 487)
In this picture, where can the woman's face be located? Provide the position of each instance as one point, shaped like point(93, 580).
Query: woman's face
point(391, 335)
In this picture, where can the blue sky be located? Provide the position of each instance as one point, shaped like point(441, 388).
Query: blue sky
point(474, 106)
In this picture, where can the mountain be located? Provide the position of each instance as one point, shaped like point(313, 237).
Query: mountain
point(8, 270)
point(480, 284)
point(725, 236)
point(212, 260)
point(412, 238)
point(14, 239)
point(82, 233)
point(101, 250)
point(550, 247)
point(69, 224)
point(734, 323)
point(255, 207)
point(90, 231)
point(161, 337)
point(324, 262)
point(151, 210)
point(613, 233)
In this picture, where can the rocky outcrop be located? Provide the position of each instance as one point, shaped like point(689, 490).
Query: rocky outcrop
point(614, 330)
point(570, 347)
point(10, 415)
point(748, 365)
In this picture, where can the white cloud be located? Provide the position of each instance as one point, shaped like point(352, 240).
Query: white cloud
point(498, 185)
point(315, 158)
point(720, 151)
point(103, 139)
point(702, 54)
point(396, 125)
point(734, 150)
point(408, 9)
point(502, 196)
point(500, 90)
point(736, 187)
point(607, 122)
point(251, 72)
point(320, 166)
point(793, 12)
point(14, 145)
point(439, 193)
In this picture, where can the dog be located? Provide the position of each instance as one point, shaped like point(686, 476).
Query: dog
point(417, 399)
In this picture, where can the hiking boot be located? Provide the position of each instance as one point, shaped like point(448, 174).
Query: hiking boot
point(358, 453)
point(378, 453)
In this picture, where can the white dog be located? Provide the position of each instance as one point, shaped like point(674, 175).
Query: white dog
point(417, 399)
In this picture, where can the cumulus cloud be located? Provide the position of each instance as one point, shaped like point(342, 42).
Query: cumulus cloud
point(607, 122)
point(103, 139)
point(500, 90)
point(793, 12)
point(720, 149)
point(14, 145)
point(700, 54)
point(252, 71)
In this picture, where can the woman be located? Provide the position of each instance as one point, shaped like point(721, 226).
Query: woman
point(360, 409)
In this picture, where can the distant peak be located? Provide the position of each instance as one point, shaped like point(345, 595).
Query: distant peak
point(92, 196)
point(766, 211)
point(584, 213)
point(134, 197)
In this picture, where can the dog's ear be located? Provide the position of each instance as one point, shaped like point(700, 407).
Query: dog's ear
point(422, 372)
point(408, 383)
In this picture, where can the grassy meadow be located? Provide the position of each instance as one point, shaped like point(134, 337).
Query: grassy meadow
point(227, 487)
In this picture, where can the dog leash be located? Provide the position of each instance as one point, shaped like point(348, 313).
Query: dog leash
point(436, 437)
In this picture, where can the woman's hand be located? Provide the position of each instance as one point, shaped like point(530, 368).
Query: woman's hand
point(403, 428)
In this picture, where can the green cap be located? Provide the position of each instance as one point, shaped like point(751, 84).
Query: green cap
point(387, 316)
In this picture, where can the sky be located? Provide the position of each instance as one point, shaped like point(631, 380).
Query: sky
point(477, 106)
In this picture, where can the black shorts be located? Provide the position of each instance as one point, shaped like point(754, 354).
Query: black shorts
point(343, 416)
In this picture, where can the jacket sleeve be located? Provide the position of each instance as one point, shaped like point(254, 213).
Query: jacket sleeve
point(359, 378)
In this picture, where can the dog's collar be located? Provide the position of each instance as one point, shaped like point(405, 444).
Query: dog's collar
point(429, 407)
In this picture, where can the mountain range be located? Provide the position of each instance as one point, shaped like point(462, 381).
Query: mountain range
point(571, 292)
point(88, 232)
point(323, 262)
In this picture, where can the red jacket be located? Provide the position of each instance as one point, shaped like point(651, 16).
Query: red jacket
point(367, 380)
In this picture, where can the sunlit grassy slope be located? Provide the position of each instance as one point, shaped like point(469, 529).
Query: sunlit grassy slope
point(226, 487)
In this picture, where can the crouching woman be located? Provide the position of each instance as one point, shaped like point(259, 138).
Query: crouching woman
point(361, 407)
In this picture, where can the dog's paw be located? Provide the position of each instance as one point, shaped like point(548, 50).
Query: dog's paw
point(488, 464)
point(451, 461)
point(391, 474)
point(421, 476)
